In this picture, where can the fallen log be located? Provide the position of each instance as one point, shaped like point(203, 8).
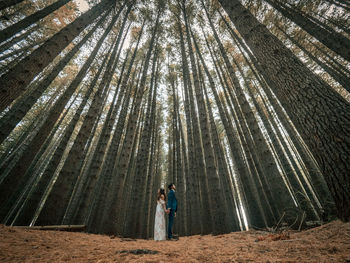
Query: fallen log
point(73, 228)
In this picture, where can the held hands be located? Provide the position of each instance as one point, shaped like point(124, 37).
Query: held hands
point(168, 212)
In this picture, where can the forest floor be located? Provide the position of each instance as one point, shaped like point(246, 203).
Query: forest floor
point(327, 243)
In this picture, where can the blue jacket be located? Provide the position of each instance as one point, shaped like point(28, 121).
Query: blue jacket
point(172, 202)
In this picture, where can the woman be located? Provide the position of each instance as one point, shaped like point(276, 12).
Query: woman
point(159, 222)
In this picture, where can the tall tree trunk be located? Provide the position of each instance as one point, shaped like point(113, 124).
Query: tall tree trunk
point(201, 169)
point(91, 176)
point(342, 79)
point(16, 113)
point(129, 184)
point(35, 196)
point(12, 30)
point(256, 213)
point(137, 200)
point(327, 36)
point(32, 149)
point(33, 172)
point(17, 39)
point(15, 196)
point(193, 185)
point(220, 162)
point(57, 201)
point(102, 200)
point(318, 112)
point(7, 3)
point(130, 133)
point(256, 142)
point(152, 161)
point(311, 167)
point(14, 82)
point(23, 48)
point(215, 193)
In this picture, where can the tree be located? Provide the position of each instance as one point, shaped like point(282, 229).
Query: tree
point(324, 130)
point(15, 81)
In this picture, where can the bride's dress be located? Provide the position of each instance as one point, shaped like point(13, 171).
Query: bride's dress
point(159, 222)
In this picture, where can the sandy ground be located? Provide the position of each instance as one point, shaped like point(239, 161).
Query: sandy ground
point(327, 243)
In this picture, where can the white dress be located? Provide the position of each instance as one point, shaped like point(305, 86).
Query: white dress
point(159, 222)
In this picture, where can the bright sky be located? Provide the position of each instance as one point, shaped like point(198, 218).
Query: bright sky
point(82, 5)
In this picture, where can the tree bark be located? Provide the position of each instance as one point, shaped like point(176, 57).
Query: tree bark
point(16, 174)
point(327, 36)
point(14, 82)
point(319, 113)
point(7, 3)
point(19, 109)
point(12, 30)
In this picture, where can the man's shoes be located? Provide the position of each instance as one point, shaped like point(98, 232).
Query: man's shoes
point(173, 238)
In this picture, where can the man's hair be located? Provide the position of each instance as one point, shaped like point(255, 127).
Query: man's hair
point(170, 185)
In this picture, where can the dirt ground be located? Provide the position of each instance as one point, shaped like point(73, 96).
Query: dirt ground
point(327, 243)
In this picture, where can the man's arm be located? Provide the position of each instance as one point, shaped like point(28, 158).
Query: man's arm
point(170, 200)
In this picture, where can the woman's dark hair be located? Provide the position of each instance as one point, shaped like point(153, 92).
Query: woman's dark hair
point(170, 185)
point(161, 192)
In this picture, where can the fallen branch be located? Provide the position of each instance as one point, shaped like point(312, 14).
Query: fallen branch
point(274, 237)
point(287, 240)
point(302, 220)
point(56, 227)
point(279, 221)
point(139, 251)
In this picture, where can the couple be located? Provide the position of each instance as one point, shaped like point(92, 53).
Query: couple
point(170, 209)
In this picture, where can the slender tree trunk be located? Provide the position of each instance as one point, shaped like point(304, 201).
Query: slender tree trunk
point(29, 173)
point(137, 200)
point(255, 140)
point(29, 20)
point(7, 3)
point(311, 168)
point(340, 78)
point(33, 173)
point(152, 118)
point(194, 202)
point(202, 172)
point(16, 113)
point(17, 172)
point(327, 36)
point(130, 133)
point(215, 193)
point(102, 203)
point(319, 113)
point(257, 216)
point(220, 162)
point(61, 192)
point(34, 198)
point(150, 193)
point(26, 49)
point(17, 39)
point(14, 82)
point(97, 158)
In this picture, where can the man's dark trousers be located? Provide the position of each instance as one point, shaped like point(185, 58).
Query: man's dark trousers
point(172, 206)
point(170, 223)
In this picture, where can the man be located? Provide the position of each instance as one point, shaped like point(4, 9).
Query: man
point(171, 209)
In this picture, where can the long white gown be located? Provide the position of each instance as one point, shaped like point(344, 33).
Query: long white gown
point(159, 222)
